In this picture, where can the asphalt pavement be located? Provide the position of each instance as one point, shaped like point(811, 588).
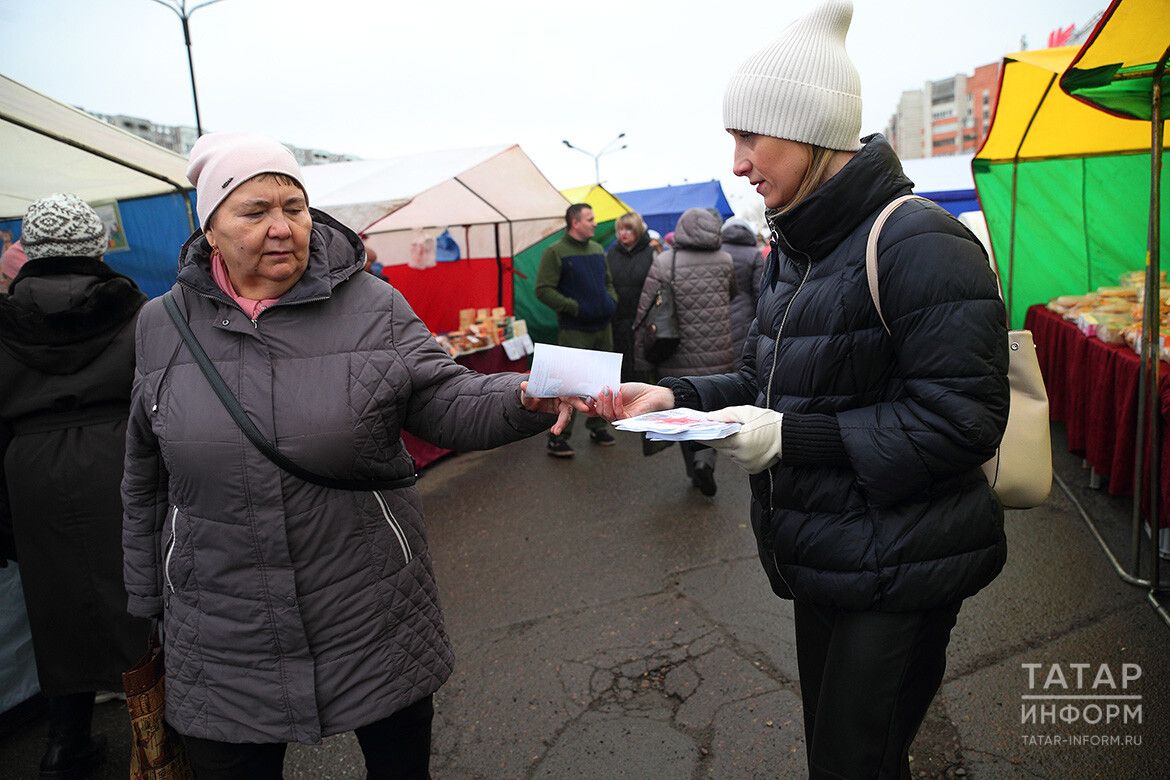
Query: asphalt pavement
point(611, 622)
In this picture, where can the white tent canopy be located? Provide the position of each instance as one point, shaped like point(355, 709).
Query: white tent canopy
point(483, 195)
point(940, 174)
point(51, 147)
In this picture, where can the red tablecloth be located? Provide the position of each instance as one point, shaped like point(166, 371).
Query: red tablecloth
point(489, 361)
point(1092, 389)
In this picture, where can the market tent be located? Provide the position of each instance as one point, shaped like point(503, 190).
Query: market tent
point(1114, 70)
point(1064, 187)
point(542, 322)
point(396, 201)
point(945, 180)
point(493, 200)
point(661, 207)
point(51, 147)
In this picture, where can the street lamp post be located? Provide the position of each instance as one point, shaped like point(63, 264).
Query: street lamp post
point(597, 157)
point(184, 15)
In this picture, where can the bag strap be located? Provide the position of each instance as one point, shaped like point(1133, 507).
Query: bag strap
point(650, 308)
point(871, 259)
point(232, 405)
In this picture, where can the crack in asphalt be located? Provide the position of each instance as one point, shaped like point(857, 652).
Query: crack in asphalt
point(636, 680)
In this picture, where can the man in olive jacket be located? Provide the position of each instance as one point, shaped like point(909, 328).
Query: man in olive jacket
point(574, 281)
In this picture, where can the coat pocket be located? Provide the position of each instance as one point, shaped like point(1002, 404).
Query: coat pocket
point(399, 533)
point(170, 549)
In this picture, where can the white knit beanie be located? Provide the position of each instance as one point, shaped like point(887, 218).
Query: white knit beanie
point(802, 87)
point(221, 162)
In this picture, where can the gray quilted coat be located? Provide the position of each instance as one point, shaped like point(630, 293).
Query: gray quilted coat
point(293, 611)
point(704, 283)
point(740, 242)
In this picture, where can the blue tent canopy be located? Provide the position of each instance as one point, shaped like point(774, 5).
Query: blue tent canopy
point(662, 206)
point(954, 201)
point(155, 228)
point(945, 180)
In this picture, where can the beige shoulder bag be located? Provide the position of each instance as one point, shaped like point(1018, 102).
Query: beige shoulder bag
point(1021, 471)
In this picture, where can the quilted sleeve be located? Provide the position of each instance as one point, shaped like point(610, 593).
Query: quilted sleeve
point(950, 348)
point(453, 406)
point(733, 389)
point(144, 505)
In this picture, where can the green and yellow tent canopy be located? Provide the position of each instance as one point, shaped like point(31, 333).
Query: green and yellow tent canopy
point(1114, 71)
point(542, 322)
point(1064, 186)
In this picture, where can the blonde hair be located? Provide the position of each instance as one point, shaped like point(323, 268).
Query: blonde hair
point(818, 166)
point(632, 220)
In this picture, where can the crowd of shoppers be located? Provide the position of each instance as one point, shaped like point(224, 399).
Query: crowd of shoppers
point(286, 561)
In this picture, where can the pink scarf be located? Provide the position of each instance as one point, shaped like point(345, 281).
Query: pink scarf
point(251, 307)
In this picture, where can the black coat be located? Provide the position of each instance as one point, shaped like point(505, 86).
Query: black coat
point(628, 267)
point(66, 369)
point(907, 521)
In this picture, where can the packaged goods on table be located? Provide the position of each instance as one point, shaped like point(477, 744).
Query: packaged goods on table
point(480, 329)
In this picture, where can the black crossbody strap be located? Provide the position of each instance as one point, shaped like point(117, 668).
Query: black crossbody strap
point(249, 428)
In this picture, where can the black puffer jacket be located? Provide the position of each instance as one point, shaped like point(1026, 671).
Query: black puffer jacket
point(878, 502)
point(628, 267)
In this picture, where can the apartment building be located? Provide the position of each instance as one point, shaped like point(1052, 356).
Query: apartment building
point(948, 116)
point(953, 115)
point(180, 138)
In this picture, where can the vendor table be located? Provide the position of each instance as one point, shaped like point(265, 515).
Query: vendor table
point(1092, 389)
point(488, 361)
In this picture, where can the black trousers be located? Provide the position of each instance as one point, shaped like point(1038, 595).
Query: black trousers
point(395, 748)
point(866, 681)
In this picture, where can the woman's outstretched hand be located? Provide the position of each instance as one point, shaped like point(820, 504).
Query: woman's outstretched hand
point(561, 407)
point(630, 400)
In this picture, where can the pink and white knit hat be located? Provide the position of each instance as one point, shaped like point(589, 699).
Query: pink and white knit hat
point(221, 162)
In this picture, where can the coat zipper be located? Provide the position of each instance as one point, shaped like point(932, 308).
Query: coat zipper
point(170, 550)
point(768, 390)
point(388, 516)
point(776, 354)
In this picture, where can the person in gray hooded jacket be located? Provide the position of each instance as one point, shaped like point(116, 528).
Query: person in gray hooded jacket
point(293, 611)
point(704, 284)
point(739, 241)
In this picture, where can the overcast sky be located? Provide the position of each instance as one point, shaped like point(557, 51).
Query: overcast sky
point(380, 78)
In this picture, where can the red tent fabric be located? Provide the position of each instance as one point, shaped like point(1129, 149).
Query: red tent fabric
point(438, 293)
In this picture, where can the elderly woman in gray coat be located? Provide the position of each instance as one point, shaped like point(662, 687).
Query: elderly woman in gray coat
point(293, 610)
point(704, 284)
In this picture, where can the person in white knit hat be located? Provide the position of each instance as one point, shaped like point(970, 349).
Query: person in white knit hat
point(863, 430)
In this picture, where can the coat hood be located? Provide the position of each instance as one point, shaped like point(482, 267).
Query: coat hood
point(62, 312)
point(697, 229)
point(335, 254)
point(738, 233)
point(867, 182)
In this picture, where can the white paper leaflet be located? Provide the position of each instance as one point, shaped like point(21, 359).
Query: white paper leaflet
point(565, 371)
point(678, 425)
